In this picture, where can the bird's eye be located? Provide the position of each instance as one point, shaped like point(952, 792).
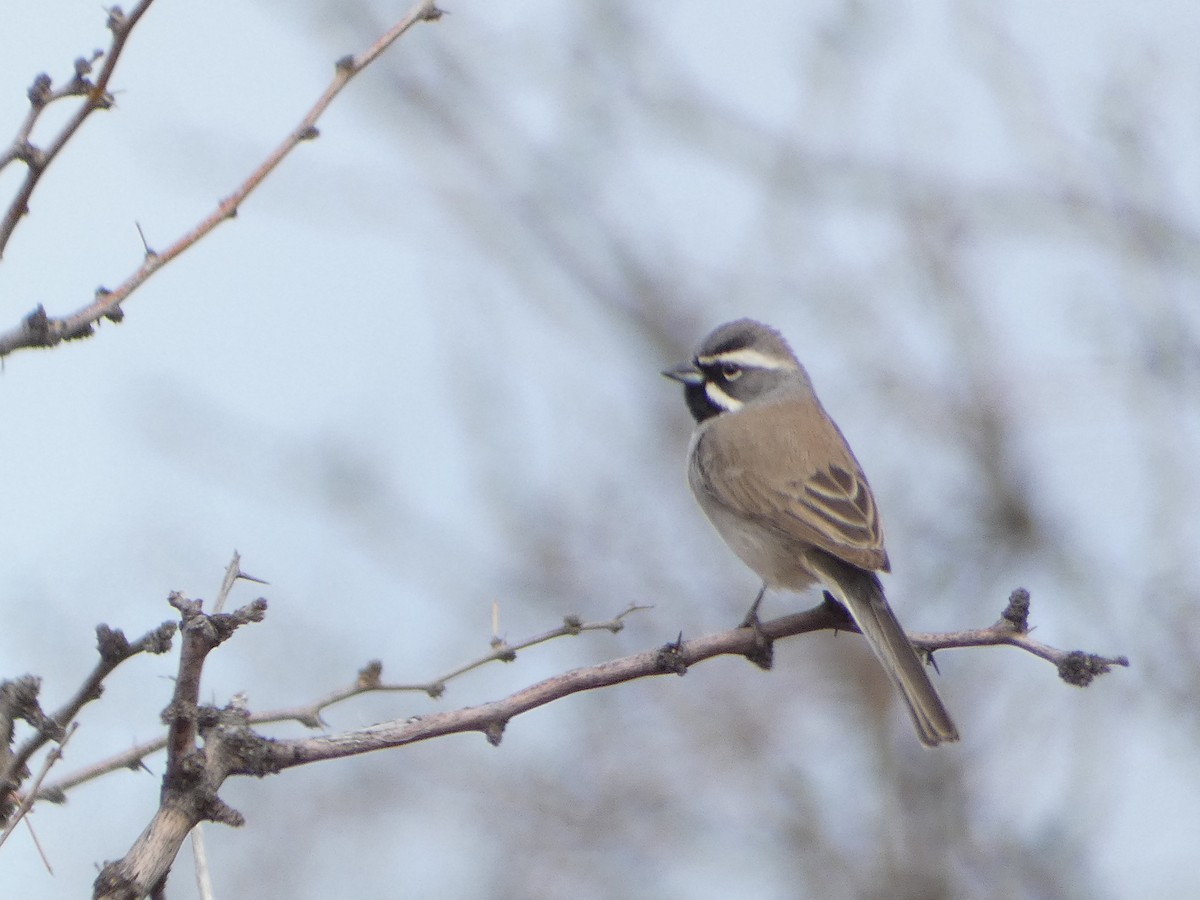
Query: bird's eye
point(731, 371)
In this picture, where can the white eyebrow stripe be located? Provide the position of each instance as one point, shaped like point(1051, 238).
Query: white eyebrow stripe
point(722, 399)
point(747, 358)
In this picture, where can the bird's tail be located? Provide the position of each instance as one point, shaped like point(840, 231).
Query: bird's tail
point(862, 595)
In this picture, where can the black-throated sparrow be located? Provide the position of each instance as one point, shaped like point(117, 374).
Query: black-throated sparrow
point(778, 481)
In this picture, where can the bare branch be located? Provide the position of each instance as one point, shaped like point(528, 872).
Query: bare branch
point(114, 649)
point(233, 573)
point(502, 651)
point(18, 703)
point(1012, 629)
point(201, 635)
point(189, 788)
point(42, 94)
point(31, 795)
point(368, 680)
point(194, 776)
point(39, 329)
point(56, 792)
point(204, 887)
point(490, 719)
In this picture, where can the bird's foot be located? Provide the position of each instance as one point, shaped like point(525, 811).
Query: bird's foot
point(762, 652)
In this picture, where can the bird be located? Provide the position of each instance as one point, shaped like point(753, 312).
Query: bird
point(778, 481)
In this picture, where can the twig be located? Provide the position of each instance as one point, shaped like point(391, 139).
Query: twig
point(56, 792)
point(38, 329)
point(232, 748)
point(369, 680)
point(204, 885)
point(41, 95)
point(201, 634)
point(502, 651)
point(676, 657)
point(37, 845)
point(18, 703)
point(233, 572)
point(1012, 629)
point(199, 854)
point(114, 649)
point(30, 798)
point(369, 677)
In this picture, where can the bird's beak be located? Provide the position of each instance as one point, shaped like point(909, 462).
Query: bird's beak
point(685, 373)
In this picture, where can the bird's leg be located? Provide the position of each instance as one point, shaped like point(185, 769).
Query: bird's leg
point(763, 652)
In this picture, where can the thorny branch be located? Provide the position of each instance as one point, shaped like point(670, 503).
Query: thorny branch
point(31, 795)
point(369, 677)
point(205, 745)
point(675, 658)
point(201, 635)
point(368, 680)
point(42, 93)
point(39, 329)
point(1074, 666)
point(1012, 629)
point(18, 700)
point(195, 774)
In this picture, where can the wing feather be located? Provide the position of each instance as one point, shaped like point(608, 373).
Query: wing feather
point(798, 477)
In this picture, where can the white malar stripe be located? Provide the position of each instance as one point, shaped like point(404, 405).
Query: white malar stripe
point(747, 358)
point(722, 399)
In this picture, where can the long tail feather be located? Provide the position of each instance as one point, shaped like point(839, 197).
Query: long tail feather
point(862, 595)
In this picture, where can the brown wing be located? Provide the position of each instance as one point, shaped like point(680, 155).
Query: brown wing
point(796, 475)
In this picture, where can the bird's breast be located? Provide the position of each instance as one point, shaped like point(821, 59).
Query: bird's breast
point(776, 558)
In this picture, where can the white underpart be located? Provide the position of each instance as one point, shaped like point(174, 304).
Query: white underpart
point(747, 358)
point(722, 399)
